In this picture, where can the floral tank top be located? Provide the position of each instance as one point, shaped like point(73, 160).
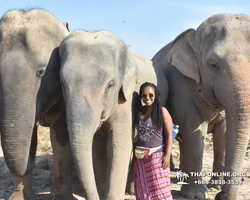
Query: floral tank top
point(149, 135)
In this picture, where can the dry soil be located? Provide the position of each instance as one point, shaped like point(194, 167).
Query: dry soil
point(43, 172)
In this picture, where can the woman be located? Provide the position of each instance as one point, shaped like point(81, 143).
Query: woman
point(153, 148)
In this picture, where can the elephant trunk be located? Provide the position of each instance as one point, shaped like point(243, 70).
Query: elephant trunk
point(18, 134)
point(82, 125)
point(238, 125)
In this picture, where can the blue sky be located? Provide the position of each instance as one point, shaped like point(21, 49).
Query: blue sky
point(145, 25)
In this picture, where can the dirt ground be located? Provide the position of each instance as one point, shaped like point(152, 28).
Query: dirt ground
point(43, 172)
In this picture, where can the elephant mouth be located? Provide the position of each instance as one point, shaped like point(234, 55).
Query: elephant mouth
point(99, 126)
point(203, 101)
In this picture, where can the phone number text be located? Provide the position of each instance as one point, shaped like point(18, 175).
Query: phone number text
point(218, 182)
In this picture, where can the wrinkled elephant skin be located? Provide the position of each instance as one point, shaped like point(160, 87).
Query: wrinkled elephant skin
point(99, 76)
point(208, 74)
point(30, 93)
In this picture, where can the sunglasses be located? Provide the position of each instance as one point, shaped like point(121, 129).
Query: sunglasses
point(144, 96)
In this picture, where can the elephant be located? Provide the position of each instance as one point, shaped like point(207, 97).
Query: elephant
point(208, 73)
point(31, 94)
point(100, 79)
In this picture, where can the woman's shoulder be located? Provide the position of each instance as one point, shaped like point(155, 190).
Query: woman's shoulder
point(165, 112)
point(164, 109)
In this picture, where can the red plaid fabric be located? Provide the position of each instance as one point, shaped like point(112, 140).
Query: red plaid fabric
point(151, 181)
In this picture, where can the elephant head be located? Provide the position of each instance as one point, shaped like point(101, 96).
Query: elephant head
point(29, 81)
point(98, 79)
point(217, 57)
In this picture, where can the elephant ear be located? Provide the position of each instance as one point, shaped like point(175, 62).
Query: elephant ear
point(183, 54)
point(129, 79)
point(66, 24)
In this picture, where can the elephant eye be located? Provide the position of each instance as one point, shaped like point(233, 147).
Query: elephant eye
point(214, 67)
point(40, 73)
point(110, 85)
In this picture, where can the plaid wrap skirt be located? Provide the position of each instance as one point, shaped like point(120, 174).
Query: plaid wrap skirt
point(151, 181)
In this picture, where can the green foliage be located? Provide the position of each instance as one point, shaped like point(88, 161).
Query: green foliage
point(209, 138)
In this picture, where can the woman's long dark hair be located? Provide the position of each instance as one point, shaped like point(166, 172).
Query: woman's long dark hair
point(156, 113)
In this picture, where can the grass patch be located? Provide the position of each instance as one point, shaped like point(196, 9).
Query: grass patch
point(43, 133)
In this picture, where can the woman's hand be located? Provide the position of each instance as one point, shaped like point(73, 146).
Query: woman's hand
point(165, 162)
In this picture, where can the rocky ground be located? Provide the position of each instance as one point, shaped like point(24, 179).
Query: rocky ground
point(43, 172)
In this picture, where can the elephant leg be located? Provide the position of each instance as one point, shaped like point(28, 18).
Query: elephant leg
point(23, 188)
point(191, 154)
point(172, 165)
point(130, 188)
point(23, 185)
point(119, 152)
point(100, 160)
point(219, 143)
point(62, 161)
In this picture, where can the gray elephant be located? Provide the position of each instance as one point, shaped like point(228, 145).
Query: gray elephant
point(99, 76)
point(209, 71)
point(30, 93)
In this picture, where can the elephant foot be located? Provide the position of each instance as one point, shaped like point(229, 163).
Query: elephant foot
point(192, 191)
point(23, 195)
point(227, 192)
point(130, 188)
point(221, 196)
point(62, 197)
point(215, 180)
point(214, 186)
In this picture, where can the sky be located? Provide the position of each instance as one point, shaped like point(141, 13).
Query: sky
point(145, 25)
